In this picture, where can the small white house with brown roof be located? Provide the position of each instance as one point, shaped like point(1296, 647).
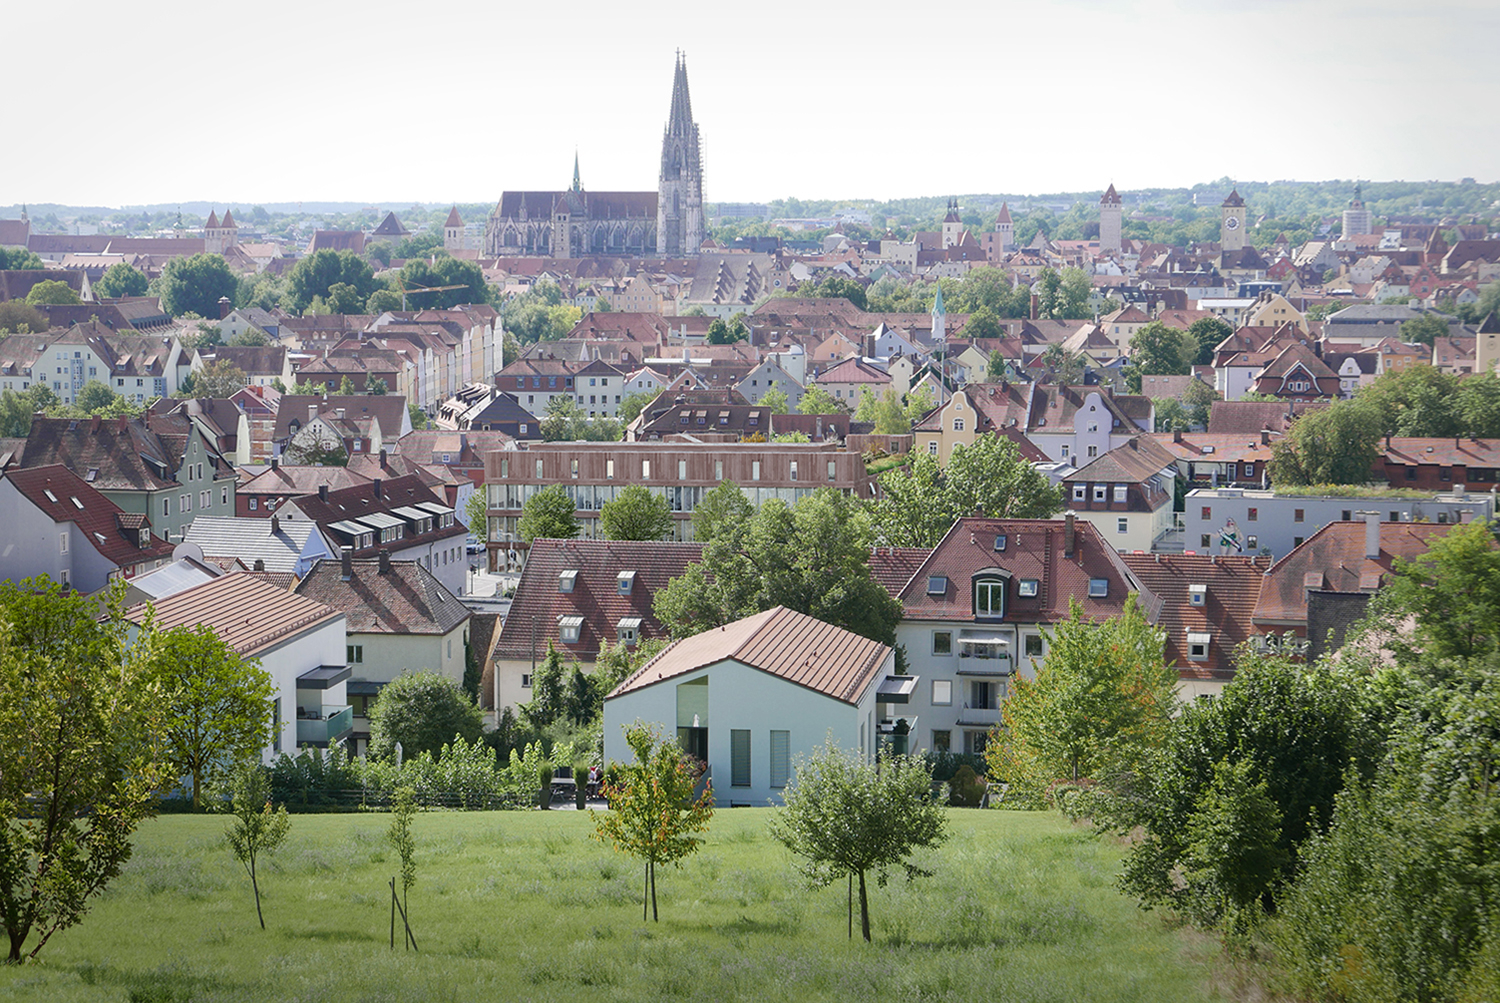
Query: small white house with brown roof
point(751, 696)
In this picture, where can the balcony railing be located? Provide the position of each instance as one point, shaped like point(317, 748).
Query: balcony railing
point(334, 723)
point(983, 716)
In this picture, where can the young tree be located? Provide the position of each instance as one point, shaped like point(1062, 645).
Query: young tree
point(418, 416)
point(549, 515)
point(257, 829)
point(216, 704)
point(78, 768)
point(118, 280)
point(652, 815)
point(1454, 592)
point(548, 691)
point(636, 513)
point(775, 401)
point(422, 711)
point(316, 275)
point(847, 816)
point(1102, 701)
point(403, 810)
point(631, 406)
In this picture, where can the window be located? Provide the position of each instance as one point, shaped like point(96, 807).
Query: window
point(1120, 490)
point(1122, 525)
point(1099, 492)
point(62, 542)
point(941, 740)
point(942, 692)
point(569, 628)
point(718, 470)
point(989, 597)
point(624, 582)
point(1098, 588)
point(573, 468)
point(781, 758)
point(942, 642)
point(682, 470)
point(539, 468)
point(1027, 589)
point(566, 581)
point(1000, 541)
point(1197, 594)
point(184, 503)
point(526, 680)
point(832, 470)
point(1297, 541)
point(1198, 646)
point(1204, 541)
point(958, 424)
point(937, 585)
point(1252, 514)
point(794, 470)
point(1208, 513)
point(254, 504)
point(223, 496)
point(355, 653)
point(1093, 451)
point(609, 470)
point(1080, 492)
point(1297, 515)
point(1033, 643)
point(1252, 542)
point(739, 757)
point(1065, 452)
point(755, 470)
point(1249, 469)
point(931, 448)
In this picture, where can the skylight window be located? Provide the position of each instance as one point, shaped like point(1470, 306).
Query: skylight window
point(937, 585)
point(76, 503)
point(1098, 588)
point(50, 496)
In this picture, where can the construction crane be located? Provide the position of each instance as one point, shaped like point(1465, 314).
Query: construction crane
point(424, 289)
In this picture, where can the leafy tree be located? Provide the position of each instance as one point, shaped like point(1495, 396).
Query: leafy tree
point(1063, 367)
point(94, 396)
point(344, 297)
point(1334, 445)
point(423, 711)
point(565, 421)
point(220, 378)
point(118, 280)
point(652, 814)
point(983, 323)
point(346, 386)
point(631, 405)
point(1101, 702)
point(216, 704)
point(616, 662)
point(813, 558)
point(1157, 350)
point(846, 816)
point(1423, 400)
point(816, 400)
point(383, 301)
point(20, 259)
point(317, 274)
point(472, 672)
point(250, 337)
point(550, 514)
point(195, 285)
point(418, 245)
point(1233, 850)
point(403, 810)
point(51, 291)
point(257, 829)
point(1453, 590)
point(77, 740)
point(720, 333)
point(722, 512)
point(418, 416)
point(919, 404)
point(774, 400)
point(1424, 329)
point(376, 387)
point(1204, 335)
point(18, 318)
point(834, 287)
point(444, 270)
point(920, 503)
point(886, 412)
point(636, 513)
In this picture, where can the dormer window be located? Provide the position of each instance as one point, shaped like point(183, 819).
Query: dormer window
point(1198, 646)
point(629, 630)
point(989, 597)
point(145, 538)
point(1098, 588)
point(1027, 588)
point(1198, 594)
point(625, 581)
point(566, 580)
point(568, 628)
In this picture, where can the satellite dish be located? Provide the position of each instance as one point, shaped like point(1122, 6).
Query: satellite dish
point(188, 552)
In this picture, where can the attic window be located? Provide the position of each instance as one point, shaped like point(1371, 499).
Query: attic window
point(1000, 540)
point(566, 580)
point(1027, 588)
point(625, 581)
point(1098, 588)
point(91, 475)
point(1197, 594)
point(629, 629)
point(937, 585)
point(76, 503)
point(1198, 646)
point(50, 496)
point(568, 628)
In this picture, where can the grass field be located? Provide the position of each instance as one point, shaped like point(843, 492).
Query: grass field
point(524, 906)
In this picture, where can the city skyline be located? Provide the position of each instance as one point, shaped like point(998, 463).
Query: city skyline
point(1063, 96)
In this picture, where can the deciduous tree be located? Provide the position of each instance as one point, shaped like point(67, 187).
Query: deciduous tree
point(549, 515)
point(423, 711)
point(636, 513)
point(816, 400)
point(51, 291)
point(118, 280)
point(723, 510)
point(18, 318)
point(317, 274)
point(846, 816)
point(1334, 445)
point(195, 285)
point(257, 829)
point(652, 813)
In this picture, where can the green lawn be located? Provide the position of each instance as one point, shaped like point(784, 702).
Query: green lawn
point(524, 906)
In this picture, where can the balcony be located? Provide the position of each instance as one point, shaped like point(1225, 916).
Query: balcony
point(978, 717)
point(332, 724)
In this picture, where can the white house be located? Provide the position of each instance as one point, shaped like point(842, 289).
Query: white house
point(753, 695)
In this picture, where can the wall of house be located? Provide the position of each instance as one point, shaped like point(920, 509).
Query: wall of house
point(320, 645)
point(1141, 529)
point(1280, 523)
point(740, 697)
point(34, 546)
point(444, 558)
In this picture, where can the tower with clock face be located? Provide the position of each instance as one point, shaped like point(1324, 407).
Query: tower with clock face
point(1232, 223)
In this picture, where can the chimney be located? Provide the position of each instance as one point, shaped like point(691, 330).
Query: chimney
point(1372, 535)
point(338, 413)
point(275, 524)
point(225, 307)
point(1068, 535)
point(385, 561)
point(260, 564)
point(1176, 435)
point(1265, 437)
point(322, 492)
point(376, 483)
point(346, 558)
point(94, 424)
point(275, 463)
point(312, 411)
point(382, 459)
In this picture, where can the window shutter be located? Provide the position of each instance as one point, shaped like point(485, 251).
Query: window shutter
point(781, 757)
point(739, 758)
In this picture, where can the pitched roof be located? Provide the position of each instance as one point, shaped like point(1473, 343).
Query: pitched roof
point(1247, 417)
point(1034, 549)
point(596, 597)
point(390, 227)
point(1133, 461)
point(892, 567)
point(1333, 559)
point(276, 541)
point(453, 218)
point(246, 611)
point(1222, 447)
point(406, 598)
point(119, 454)
point(63, 496)
point(1412, 451)
point(1232, 590)
point(387, 409)
point(791, 645)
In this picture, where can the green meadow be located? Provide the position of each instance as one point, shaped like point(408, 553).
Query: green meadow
point(525, 906)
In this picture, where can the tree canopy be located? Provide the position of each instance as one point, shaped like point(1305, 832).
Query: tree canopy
point(423, 711)
point(51, 291)
point(550, 514)
point(316, 275)
point(195, 285)
point(1332, 445)
point(118, 280)
point(442, 269)
point(16, 317)
point(636, 513)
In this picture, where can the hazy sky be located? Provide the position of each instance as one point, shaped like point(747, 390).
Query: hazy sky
point(456, 101)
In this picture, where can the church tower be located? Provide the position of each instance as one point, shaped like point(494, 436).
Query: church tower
point(939, 319)
point(1005, 230)
point(453, 231)
point(1232, 223)
point(1111, 209)
point(953, 227)
point(1356, 217)
point(679, 203)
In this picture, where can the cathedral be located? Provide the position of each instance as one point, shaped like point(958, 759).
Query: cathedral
point(576, 223)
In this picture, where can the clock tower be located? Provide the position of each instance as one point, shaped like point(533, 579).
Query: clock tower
point(1232, 223)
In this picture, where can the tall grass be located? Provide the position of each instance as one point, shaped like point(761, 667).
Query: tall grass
point(523, 905)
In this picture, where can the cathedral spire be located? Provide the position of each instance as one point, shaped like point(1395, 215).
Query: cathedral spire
point(681, 121)
point(577, 182)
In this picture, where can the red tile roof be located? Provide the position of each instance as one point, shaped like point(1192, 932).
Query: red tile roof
point(796, 647)
point(893, 567)
point(63, 497)
point(247, 612)
point(1233, 588)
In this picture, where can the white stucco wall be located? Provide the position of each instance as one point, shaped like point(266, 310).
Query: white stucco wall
point(741, 697)
point(321, 645)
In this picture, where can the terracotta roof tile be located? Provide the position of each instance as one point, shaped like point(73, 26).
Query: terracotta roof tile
point(404, 599)
point(1232, 590)
point(247, 612)
point(63, 497)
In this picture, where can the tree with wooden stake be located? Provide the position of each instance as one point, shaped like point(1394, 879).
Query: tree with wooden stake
point(403, 808)
point(258, 829)
point(847, 816)
point(652, 814)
